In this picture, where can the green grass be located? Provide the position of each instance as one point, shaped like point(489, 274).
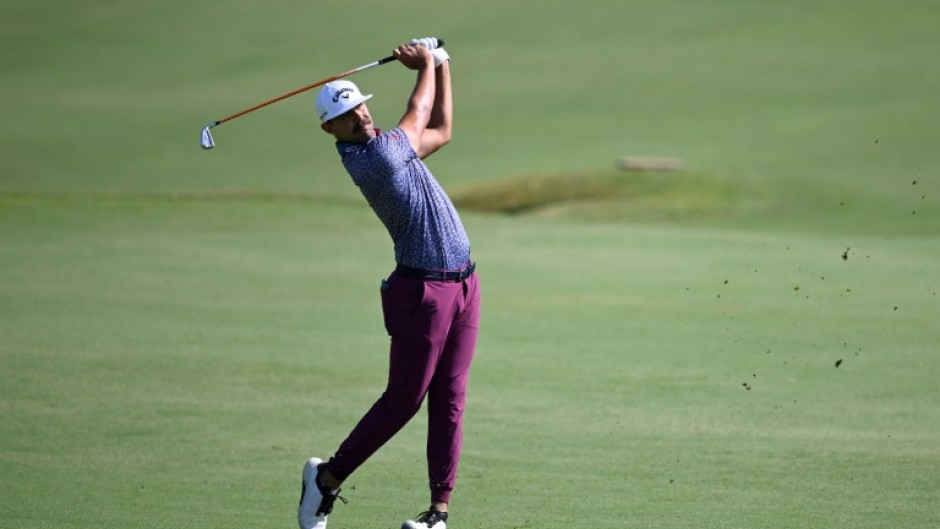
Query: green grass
point(180, 330)
point(192, 354)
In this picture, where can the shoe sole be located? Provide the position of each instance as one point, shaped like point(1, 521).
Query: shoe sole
point(410, 524)
point(308, 479)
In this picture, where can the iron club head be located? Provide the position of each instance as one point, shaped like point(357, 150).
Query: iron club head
point(206, 141)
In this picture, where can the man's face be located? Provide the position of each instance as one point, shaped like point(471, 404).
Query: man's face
point(353, 126)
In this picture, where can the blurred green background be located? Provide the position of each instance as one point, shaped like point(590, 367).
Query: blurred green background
point(107, 96)
point(181, 329)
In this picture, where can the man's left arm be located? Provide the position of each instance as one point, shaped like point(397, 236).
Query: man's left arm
point(438, 131)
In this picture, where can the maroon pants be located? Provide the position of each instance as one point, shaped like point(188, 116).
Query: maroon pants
point(433, 326)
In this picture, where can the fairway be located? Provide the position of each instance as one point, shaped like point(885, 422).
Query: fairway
point(751, 342)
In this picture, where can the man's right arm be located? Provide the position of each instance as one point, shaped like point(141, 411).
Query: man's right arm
point(421, 103)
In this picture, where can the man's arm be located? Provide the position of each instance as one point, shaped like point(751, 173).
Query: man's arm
point(438, 131)
point(421, 103)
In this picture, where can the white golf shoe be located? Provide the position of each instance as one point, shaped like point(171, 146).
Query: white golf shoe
point(432, 519)
point(316, 500)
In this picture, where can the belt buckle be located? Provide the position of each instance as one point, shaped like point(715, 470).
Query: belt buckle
point(466, 272)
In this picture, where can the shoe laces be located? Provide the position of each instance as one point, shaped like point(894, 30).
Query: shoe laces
point(326, 505)
point(431, 517)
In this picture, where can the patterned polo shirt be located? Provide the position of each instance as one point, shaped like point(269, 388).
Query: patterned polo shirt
point(415, 210)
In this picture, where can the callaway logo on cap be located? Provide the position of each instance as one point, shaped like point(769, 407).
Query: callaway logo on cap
point(342, 92)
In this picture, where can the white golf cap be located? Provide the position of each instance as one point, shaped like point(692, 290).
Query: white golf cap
point(338, 97)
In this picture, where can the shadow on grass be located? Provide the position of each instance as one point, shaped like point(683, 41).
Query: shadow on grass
point(614, 195)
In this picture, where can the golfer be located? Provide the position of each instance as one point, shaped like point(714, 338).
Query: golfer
point(430, 302)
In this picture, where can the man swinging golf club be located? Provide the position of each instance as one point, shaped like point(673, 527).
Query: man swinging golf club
point(430, 302)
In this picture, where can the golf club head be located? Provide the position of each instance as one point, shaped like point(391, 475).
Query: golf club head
point(206, 141)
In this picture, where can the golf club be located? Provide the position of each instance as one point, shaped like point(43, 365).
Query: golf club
point(208, 142)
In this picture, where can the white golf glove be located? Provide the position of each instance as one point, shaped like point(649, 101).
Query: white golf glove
point(428, 42)
point(440, 54)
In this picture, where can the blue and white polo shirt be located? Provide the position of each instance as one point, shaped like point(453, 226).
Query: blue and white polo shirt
point(417, 213)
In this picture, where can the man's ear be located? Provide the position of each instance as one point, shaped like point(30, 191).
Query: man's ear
point(327, 127)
